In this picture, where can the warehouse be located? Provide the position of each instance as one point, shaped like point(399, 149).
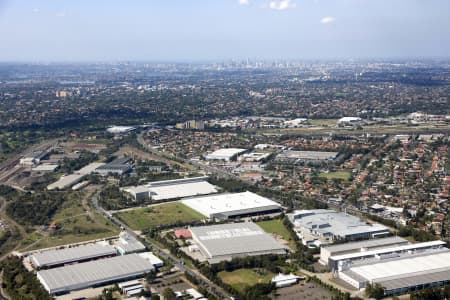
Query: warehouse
point(294, 157)
point(226, 206)
point(340, 262)
point(119, 166)
point(33, 158)
point(94, 273)
point(349, 121)
point(67, 181)
point(226, 154)
point(58, 257)
point(226, 241)
point(172, 189)
point(324, 226)
point(408, 271)
point(361, 246)
point(45, 168)
point(282, 280)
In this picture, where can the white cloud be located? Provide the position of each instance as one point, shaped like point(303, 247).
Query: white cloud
point(281, 4)
point(327, 20)
point(244, 2)
point(61, 14)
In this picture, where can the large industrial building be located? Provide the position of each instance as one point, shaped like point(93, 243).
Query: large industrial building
point(323, 226)
point(69, 180)
point(361, 246)
point(341, 262)
point(402, 270)
point(226, 154)
point(58, 257)
point(349, 121)
point(226, 206)
point(294, 157)
point(94, 273)
point(172, 189)
point(226, 241)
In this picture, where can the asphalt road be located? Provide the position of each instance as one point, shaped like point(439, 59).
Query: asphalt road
point(165, 254)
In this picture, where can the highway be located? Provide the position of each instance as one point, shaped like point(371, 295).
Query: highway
point(164, 253)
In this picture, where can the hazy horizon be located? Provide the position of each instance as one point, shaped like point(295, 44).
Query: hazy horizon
point(223, 30)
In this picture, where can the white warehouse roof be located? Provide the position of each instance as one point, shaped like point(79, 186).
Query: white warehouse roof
point(225, 241)
point(394, 269)
point(349, 120)
point(120, 129)
point(403, 248)
point(180, 188)
point(172, 189)
point(226, 205)
point(68, 255)
point(97, 272)
point(224, 154)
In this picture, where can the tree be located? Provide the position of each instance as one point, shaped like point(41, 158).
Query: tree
point(375, 291)
point(150, 277)
point(169, 294)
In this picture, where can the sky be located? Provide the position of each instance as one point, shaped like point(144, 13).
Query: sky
point(211, 30)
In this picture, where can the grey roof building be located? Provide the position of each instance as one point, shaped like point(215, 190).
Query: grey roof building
point(58, 257)
point(226, 241)
point(327, 251)
point(118, 166)
point(328, 225)
point(290, 156)
point(94, 273)
point(402, 272)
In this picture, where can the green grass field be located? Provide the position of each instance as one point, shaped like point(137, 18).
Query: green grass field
point(74, 225)
point(168, 213)
point(242, 279)
point(337, 175)
point(323, 122)
point(276, 226)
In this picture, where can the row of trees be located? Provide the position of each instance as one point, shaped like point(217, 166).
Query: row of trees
point(434, 293)
point(404, 231)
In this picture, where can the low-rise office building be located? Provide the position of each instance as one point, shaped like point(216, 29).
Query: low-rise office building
point(128, 244)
